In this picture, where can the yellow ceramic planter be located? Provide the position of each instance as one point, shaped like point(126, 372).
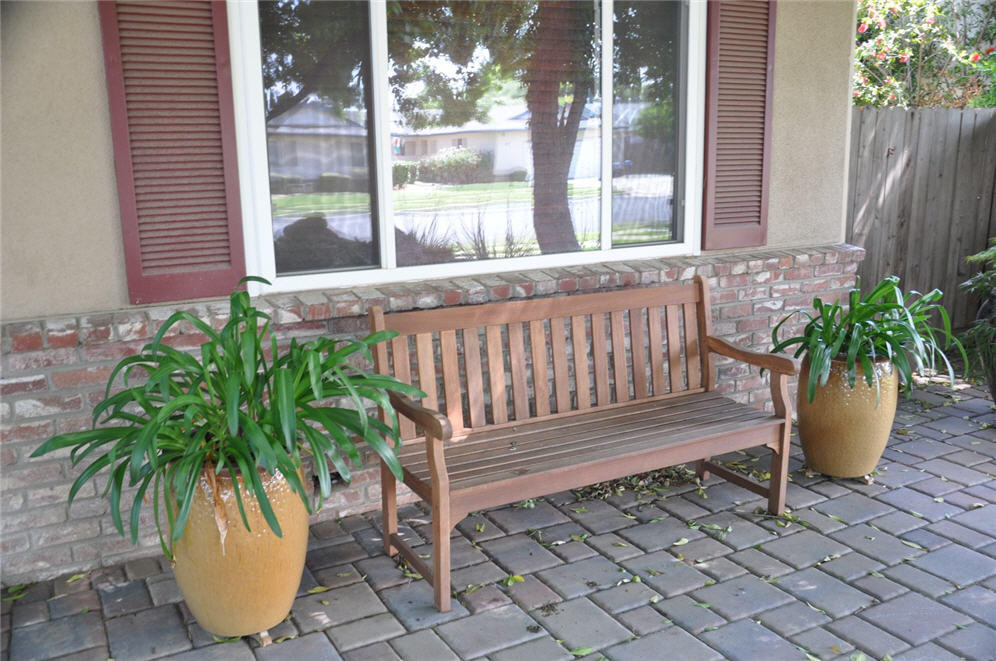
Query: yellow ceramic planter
point(238, 582)
point(845, 430)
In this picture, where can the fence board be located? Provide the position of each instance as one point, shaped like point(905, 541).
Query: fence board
point(922, 196)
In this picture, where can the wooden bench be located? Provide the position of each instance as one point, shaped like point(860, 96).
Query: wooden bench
point(527, 398)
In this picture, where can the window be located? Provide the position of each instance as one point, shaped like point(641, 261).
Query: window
point(441, 139)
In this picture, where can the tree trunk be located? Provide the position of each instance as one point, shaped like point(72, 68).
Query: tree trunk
point(561, 32)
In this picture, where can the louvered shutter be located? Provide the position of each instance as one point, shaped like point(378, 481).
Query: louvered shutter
point(740, 61)
point(169, 86)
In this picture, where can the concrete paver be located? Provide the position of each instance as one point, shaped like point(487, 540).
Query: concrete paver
point(903, 567)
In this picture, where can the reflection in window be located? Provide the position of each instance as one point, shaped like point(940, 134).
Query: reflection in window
point(644, 121)
point(316, 76)
point(511, 90)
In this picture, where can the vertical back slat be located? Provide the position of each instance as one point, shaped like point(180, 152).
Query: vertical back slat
point(674, 349)
point(561, 385)
point(451, 378)
point(600, 359)
point(496, 374)
point(619, 356)
point(403, 372)
point(541, 387)
point(475, 385)
point(704, 317)
point(579, 343)
point(517, 361)
point(638, 352)
point(693, 360)
point(426, 363)
point(656, 350)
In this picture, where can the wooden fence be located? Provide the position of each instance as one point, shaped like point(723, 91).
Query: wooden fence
point(922, 196)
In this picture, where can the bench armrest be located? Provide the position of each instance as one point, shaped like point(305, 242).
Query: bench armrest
point(433, 422)
point(780, 364)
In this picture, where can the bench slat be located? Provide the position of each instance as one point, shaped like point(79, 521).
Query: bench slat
point(639, 353)
point(541, 387)
point(693, 358)
point(656, 341)
point(412, 323)
point(579, 345)
point(496, 374)
point(402, 369)
point(674, 349)
point(619, 371)
point(451, 379)
point(517, 361)
point(475, 384)
point(426, 370)
point(558, 346)
point(600, 360)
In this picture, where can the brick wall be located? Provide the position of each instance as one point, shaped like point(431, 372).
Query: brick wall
point(54, 371)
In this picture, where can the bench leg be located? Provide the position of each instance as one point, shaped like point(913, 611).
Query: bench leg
point(779, 476)
point(700, 469)
point(389, 507)
point(441, 551)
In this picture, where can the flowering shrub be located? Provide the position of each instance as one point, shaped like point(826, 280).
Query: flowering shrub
point(925, 53)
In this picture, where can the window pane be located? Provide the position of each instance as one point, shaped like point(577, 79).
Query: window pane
point(645, 100)
point(495, 144)
point(316, 72)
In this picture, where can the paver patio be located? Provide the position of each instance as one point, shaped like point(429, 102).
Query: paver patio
point(904, 567)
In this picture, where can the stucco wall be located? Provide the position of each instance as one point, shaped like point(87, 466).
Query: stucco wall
point(61, 243)
point(811, 122)
point(61, 233)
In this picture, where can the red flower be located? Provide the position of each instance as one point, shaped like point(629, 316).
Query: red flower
point(904, 58)
point(881, 24)
point(892, 97)
point(930, 20)
point(975, 57)
point(856, 93)
point(881, 56)
point(863, 28)
point(991, 49)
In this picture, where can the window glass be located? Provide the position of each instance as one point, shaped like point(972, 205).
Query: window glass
point(645, 121)
point(495, 130)
point(511, 88)
point(316, 72)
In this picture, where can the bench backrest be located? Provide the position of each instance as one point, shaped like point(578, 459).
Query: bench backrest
point(500, 362)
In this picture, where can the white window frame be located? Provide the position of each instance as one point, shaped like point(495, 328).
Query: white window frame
point(250, 128)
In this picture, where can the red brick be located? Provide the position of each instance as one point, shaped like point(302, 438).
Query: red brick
point(112, 351)
point(735, 311)
point(132, 327)
point(567, 284)
point(500, 292)
point(746, 325)
point(765, 307)
point(785, 290)
point(751, 293)
point(785, 262)
point(798, 273)
point(96, 329)
point(62, 337)
point(7, 457)
point(32, 474)
point(815, 286)
point(37, 407)
point(723, 296)
point(81, 376)
point(765, 277)
point(729, 281)
point(828, 269)
point(18, 384)
point(33, 360)
point(29, 431)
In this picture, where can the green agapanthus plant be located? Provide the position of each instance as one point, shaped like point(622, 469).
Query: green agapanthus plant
point(239, 405)
point(884, 324)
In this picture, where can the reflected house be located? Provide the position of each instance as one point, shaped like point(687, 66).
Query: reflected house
point(505, 134)
point(310, 140)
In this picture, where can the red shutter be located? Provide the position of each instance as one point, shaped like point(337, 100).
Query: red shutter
point(741, 38)
point(169, 83)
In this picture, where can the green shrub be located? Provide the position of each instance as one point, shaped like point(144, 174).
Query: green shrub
point(281, 183)
point(457, 165)
point(517, 175)
point(332, 182)
point(403, 172)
